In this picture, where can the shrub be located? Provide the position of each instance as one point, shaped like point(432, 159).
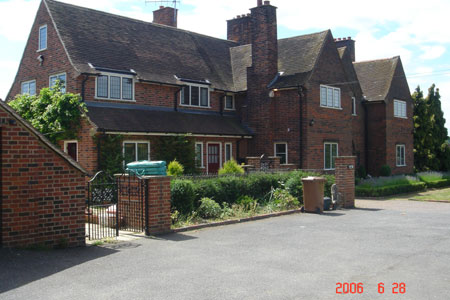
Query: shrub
point(248, 203)
point(388, 190)
point(435, 179)
point(182, 196)
point(284, 200)
point(231, 167)
point(209, 209)
point(175, 168)
point(361, 172)
point(385, 170)
point(387, 181)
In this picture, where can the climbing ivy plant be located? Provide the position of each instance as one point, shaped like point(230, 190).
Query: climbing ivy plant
point(55, 114)
point(110, 157)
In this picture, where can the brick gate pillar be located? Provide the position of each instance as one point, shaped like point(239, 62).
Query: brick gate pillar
point(345, 179)
point(158, 209)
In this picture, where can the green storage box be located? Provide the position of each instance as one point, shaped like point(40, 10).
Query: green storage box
point(146, 167)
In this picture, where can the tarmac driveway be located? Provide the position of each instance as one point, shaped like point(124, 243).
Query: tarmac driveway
point(300, 256)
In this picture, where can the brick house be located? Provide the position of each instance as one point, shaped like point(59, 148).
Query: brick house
point(297, 98)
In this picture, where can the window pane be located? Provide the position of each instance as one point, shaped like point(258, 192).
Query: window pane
point(32, 88)
point(404, 109)
point(130, 152)
point(334, 152)
point(102, 86)
point(25, 88)
point(127, 88)
point(195, 95)
point(227, 152)
point(327, 156)
point(329, 97)
point(395, 108)
point(53, 80)
point(185, 95)
point(323, 96)
point(198, 154)
point(43, 38)
point(229, 102)
point(204, 96)
point(62, 80)
point(280, 151)
point(142, 151)
point(337, 98)
point(114, 87)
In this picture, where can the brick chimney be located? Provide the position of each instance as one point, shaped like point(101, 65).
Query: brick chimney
point(166, 16)
point(238, 29)
point(261, 33)
point(346, 42)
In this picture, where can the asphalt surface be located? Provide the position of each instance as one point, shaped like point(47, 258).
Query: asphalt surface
point(300, 256)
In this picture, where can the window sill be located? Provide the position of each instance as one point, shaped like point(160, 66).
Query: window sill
point(194, 106)
point(41, 50)
point(329, 169)
point(400, 166)
point(116, 100)
point(335, 108)
point(405, 118)
point(354, 115)
point(230, 109)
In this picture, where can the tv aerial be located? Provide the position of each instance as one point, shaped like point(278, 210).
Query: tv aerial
point(174, 3)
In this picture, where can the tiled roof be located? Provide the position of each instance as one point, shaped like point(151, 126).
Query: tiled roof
point(375, 77)
point(156, 52)
point(5, 107)
point(297, 58)
point(117, 117)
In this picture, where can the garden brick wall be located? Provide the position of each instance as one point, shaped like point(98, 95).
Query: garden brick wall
point(345, 179)
point(159, 220)
point(42, 193)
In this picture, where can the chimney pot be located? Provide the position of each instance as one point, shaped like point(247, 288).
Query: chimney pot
point(161, 6)
point(266, 2)
point(238, 16)
point(243, 16)
point(259, 3)
point(339, 39)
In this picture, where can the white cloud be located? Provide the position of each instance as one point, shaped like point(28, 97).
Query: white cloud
point(432, 52)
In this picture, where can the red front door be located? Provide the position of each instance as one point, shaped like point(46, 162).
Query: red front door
point(213, 158)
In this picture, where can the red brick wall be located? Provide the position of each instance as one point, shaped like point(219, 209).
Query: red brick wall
point(159, 220)
point(398, 130)
point(239, 30)
point(345, 179)
point(376, 121)
point(43, 196)
point(55, 58)
point(166, 16)
point(330, 125)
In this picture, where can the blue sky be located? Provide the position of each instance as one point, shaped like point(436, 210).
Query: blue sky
point(415, 30)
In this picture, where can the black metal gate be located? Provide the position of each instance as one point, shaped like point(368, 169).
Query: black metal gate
point(115, 203)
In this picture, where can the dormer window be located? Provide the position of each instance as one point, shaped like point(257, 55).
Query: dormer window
point(195, 95)
point(114, 87)
point(42, 38)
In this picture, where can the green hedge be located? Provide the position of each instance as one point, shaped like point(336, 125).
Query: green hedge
point(364, 191)
point(228, 189)
point(438, 183)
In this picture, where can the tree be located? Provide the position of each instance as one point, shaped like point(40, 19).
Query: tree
point(430, 134)
point(55, 114)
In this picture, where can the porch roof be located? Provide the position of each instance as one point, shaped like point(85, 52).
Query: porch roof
point(129, 118)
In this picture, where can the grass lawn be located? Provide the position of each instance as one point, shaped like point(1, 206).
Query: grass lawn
point(433, 195)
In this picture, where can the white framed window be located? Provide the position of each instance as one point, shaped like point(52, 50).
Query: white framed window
point(62, 79)
point(199, 155)
point(354, 106)
point(29, 87)
point(42, 38)
point(195, 95)
point(114, 87)
point(229, 102)
point(400, 156)
point(71, 148)
point(400, 109)
point(330, 152)
point(330, 97)
point(228, 151)
point(281, 150)
point(136, 151)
